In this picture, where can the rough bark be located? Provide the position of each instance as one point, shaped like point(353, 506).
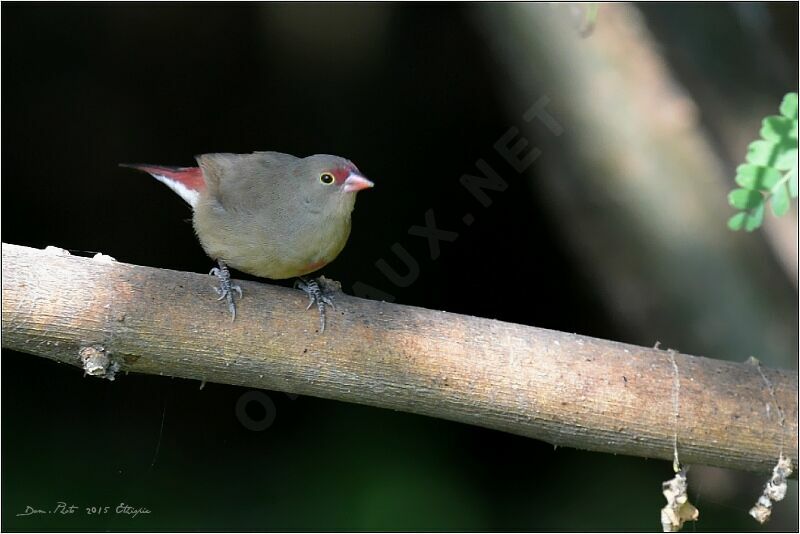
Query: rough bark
point(563, 388)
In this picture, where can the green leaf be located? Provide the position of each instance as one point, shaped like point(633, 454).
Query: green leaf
point(736, 222)
point(789, 106)
point(757, 177)
point(747, 220)
point(761, 152)
point(745, 199)
point(755, 218)
point(787, 158)
point(771, 168)
point(775, 127)
point(780, 200)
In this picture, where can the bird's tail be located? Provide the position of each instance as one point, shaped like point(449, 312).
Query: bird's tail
point(187, 182)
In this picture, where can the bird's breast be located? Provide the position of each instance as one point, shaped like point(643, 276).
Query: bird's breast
point(268, 247)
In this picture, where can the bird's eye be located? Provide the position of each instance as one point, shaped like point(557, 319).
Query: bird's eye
point(326, 178)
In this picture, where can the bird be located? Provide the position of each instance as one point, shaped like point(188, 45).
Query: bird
point(268, 214)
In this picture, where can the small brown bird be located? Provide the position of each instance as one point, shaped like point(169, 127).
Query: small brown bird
point(268, 214)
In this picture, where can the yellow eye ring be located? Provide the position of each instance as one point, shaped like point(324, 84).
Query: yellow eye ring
point(326, 178)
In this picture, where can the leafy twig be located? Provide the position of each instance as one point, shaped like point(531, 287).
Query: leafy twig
point(770, 174)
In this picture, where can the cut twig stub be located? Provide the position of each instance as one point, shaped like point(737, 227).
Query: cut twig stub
point(96, 362)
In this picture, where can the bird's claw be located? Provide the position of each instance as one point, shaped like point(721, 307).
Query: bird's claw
point(320, 292)
point(312, 299)
point(226, 288)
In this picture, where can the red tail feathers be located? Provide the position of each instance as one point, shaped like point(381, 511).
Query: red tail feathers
point(187, 182)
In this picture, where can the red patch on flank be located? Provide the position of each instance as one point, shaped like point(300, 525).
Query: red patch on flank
point(311, 267)
point(190, 177)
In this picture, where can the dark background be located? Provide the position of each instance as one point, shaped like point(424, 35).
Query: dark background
point(411, 94)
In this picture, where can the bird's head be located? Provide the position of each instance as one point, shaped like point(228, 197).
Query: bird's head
point(332, 183)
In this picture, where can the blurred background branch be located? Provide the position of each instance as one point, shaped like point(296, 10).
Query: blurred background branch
point(640, 192)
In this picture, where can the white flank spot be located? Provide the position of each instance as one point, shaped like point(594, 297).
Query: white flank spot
point(189, 195)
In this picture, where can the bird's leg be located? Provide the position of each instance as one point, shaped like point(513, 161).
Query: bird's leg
point(320, 291)
point(226, 289)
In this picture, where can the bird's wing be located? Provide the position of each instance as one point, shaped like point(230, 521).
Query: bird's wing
point(246, 181)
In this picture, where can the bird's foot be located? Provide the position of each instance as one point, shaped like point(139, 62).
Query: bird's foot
point(226, 289)
point(320, 291)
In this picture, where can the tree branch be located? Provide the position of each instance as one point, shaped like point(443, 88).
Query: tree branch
point(562, 388)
